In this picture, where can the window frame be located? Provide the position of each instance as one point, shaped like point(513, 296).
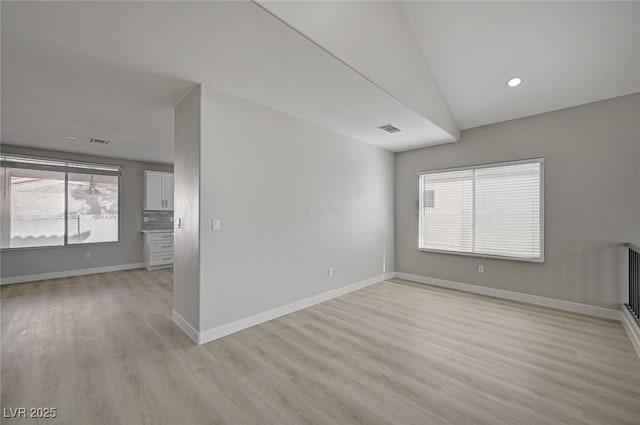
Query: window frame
point(539, 259)
point(68, 166)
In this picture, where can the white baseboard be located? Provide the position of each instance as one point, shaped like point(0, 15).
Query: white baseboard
point(630, 325)
point(590, 310)
point(68, 273)
point(186, 327)
point(223, 330)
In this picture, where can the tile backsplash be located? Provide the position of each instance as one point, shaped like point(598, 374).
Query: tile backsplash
point(155, 220)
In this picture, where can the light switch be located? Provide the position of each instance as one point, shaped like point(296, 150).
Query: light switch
point(215, 225)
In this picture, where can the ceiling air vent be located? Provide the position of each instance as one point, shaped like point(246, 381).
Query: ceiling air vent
point(389, 128)
point(99, 141)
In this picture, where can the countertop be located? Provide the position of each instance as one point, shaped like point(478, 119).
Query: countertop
point(158, 231)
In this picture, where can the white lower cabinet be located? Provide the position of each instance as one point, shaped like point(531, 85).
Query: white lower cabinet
point(158, 250)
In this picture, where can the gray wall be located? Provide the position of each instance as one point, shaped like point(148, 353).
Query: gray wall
point(592, 201)
point(186, 270)
point(127, 251)
point(293, 200)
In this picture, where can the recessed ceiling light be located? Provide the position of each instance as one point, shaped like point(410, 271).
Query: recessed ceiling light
point(514, 81)
point(72, 138)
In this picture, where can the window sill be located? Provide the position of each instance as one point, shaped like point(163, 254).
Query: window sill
point(23, 248)
point(495, 257)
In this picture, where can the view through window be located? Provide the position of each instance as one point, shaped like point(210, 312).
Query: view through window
point(40, 196)
point(92, 208)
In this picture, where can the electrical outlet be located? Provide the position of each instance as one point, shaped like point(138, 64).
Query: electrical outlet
point(215, 225)
point(480, 268)
point(330, 272)
point(87, 255)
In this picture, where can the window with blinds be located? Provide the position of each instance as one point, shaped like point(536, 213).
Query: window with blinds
point(51, 202)
point(489, 210)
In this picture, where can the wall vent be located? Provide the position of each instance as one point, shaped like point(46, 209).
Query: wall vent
point(389, 128)
point(99, 141)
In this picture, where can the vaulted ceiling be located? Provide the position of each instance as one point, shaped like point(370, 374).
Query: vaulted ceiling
point(568, 53)
point(115, 70)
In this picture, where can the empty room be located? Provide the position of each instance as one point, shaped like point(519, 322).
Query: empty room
point(320, 212)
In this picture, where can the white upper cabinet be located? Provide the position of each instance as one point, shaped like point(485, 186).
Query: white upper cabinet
point(153, 198)
point(168, 191)
point(158, 191)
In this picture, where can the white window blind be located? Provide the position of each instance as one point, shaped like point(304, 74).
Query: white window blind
point(64, 165)
point(447, 211)
point(489, 210)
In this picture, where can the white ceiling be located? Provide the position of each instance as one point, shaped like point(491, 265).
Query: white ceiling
point(115, 70)
point(384, 49)
point(568, 53)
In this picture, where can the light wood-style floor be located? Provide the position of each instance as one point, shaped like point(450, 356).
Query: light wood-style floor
point(102, 349)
